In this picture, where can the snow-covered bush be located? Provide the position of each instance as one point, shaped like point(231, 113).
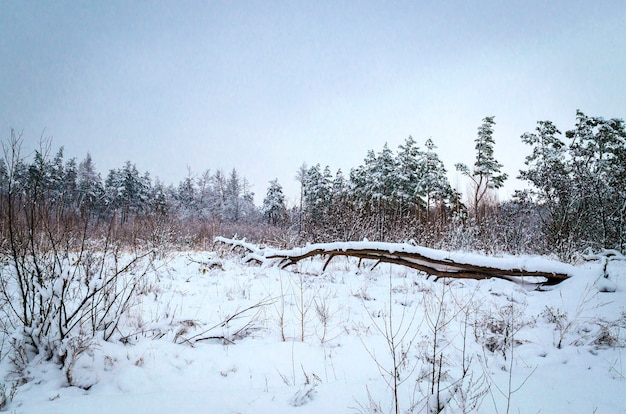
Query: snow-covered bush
point(61, 299)
point(62, 284)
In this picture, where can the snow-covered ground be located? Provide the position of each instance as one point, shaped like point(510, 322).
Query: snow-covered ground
point(211, 334)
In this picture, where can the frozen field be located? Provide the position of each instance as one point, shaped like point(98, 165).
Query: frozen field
point(211, 334)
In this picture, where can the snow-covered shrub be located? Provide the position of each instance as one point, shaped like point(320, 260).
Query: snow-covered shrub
point(496, 329)
point(607, 336)
point(60, 296)
point(560, 320)
point(60, 283)
point(7, 393)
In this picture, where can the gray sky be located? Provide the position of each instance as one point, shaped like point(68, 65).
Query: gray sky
point(264, 86)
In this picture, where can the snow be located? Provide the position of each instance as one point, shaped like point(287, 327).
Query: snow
point(307, 341)
point(527, 263)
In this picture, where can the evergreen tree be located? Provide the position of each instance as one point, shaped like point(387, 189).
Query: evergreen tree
point(159, 199)
point(384, 179)
point(90, 191)
point(232, 208)
point(339, 186)
point(549, 171)
point(186, 197)
point(434, 179)
point(274, 209)
point(316, 195)
point(218, 203)
point(301, 177)
point(38, 181)
point(204, 194)
point(597, 154)
point(127, 192)
point(361, 180)
point(56, 177)
point(579, 185)
point(410, 171)
point(70, 184)
point(486, 173)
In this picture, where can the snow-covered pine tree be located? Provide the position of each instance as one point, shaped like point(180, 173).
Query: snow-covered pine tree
point(274, 209)
point(204, 194)
point(57, 177)
point(384, 178)
point(70, 184)
point(127, 192)
point(361, 180)
point(341, 220)
point(186, 197)
point(301, 177)
point(580, 185)
point(486, 173)
point(232, 207)
point(550, 173)
point(89, 187)
point(317, 198)
point(409, 174)
point(434, 179)
point(159, 199)
point(314, 192)
point(39, 176)
point(339, 187)
point(597, 153)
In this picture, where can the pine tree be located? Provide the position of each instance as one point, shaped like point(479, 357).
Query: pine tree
point(550, 174)
point(301, 177)
point(56, 178)
point(159, 199)
point(127, 192)
point(361, 180)
point(410, 188)
point(316, 195)
point(89, 187)
point(579, 185)
point(218, 203)
point(38, 181)
point(70, 184)
point(274, 209)
point(434, 179)
point(486, 173)
point(384, 176)
point(339, 186)
point(232, 210)
point(597, 154)
point(186, 196)
point(204, 194)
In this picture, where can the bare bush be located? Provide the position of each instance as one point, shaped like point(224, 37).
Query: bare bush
point(60, 285)
point(400, 333)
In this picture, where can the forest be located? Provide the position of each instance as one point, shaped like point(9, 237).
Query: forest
point(575, 200)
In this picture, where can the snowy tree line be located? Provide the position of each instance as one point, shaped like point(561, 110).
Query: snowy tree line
point(78, 188)
point(576, 199)
point(401, 195)
point(387, 195)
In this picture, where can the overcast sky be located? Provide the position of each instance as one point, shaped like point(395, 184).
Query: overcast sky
point(264, 86)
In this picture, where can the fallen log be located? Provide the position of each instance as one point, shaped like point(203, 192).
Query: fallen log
point(441, 264)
